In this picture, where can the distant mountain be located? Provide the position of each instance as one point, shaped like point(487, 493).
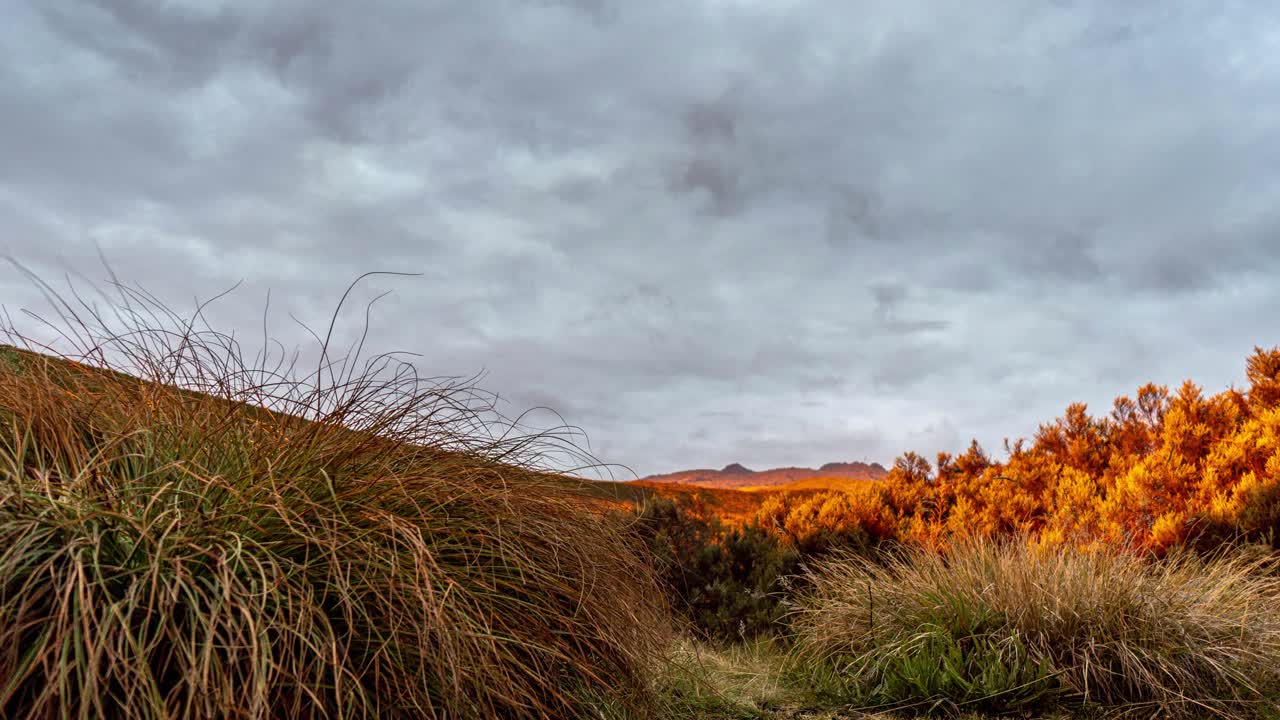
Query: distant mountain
point(736, 476)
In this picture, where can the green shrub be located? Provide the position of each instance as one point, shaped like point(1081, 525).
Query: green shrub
point(1008, 627)
point(728, 581)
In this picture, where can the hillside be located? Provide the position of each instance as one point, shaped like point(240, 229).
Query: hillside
point(725, 503)
point(184, 551)
point(736, 476)
point(818, 483)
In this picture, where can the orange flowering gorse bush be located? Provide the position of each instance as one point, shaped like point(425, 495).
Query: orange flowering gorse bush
point(1162, 468)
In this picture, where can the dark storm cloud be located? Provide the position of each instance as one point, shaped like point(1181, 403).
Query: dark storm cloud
point(705, 232)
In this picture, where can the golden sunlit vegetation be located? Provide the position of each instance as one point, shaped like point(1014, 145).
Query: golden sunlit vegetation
point(733, 506)
point(1161, 469)
point(1123, 563)
point(815, 483)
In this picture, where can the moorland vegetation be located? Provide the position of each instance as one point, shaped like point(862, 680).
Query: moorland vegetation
point(191, 530)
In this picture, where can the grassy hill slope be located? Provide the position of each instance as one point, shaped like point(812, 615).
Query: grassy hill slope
point(174, 548)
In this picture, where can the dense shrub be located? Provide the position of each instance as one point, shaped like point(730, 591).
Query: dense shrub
point(233, 539)
point(1159, 470)
point(1015, 627)
point(854, 520)
point(728, 581)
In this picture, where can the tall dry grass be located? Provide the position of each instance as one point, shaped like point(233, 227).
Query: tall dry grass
point(1012, 627)
point(188, 531)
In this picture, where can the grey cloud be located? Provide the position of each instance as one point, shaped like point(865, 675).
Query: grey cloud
point(1167, 273)
point(712, 122)
point(852, 215)
point(172, 46)
point(890, 297)
point(720, 181)
point(1066, 256)
point(911, 365)
point(852, 230)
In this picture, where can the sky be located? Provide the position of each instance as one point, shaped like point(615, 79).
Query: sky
point(704, 231)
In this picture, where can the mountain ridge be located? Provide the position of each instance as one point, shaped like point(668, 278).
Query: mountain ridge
point(735, 475)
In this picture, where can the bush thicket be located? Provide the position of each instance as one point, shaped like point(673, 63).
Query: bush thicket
point(728, 581)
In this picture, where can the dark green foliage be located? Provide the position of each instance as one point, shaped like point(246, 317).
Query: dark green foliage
point(948, 668)
point(728, 581)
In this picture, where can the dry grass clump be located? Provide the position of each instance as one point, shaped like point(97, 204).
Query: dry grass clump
point(1011, 627)
point(228, 538)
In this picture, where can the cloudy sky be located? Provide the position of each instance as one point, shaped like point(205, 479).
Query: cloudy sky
point(706, 231)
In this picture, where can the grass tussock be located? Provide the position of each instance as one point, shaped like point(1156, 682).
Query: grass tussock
point(239, 537)
point(1008, 627)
